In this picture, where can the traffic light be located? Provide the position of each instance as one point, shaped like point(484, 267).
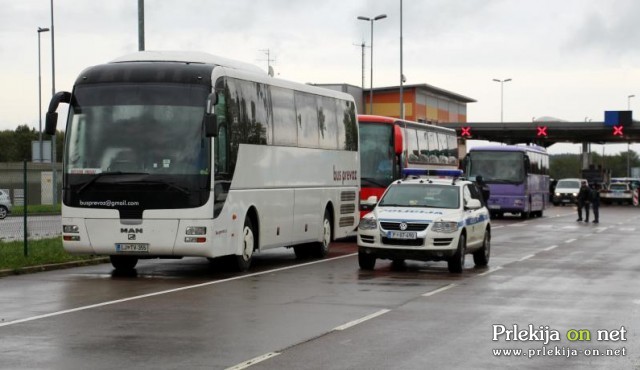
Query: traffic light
point(617, 130)
point(465, 131)
point(542, 131)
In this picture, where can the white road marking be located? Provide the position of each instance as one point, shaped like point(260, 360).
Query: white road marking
point(83, 308)
point(570, 241)
point(526, 257)
point(429, 294)
point(550, 248)
point(491, 270)
point(361, 320)
point(253, 361)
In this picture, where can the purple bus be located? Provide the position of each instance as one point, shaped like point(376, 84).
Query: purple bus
point(517, 176)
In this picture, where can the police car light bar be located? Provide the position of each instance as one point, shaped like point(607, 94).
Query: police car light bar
point(425, 172)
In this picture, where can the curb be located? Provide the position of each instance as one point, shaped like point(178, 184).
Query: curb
point(51, 267)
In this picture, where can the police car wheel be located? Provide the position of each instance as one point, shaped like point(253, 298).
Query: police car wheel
point(456, 262)
point(366, 261)
point(481, 256)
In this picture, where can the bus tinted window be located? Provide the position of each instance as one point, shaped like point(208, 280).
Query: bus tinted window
point(285, 131)
point(307, 117)
point(327, 125)
point(347, 126)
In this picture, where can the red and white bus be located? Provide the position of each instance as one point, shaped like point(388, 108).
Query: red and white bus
point(387, 145)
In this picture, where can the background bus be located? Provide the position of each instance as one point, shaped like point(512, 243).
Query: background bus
point(172, 154)
point(517, 176)
point(387, 145)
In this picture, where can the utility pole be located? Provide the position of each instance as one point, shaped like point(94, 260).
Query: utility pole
point(140, 25)
point(268, 60)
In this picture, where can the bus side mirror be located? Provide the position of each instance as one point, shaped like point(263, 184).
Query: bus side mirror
point(527, 164)
point(210, 123)
point(51, 120)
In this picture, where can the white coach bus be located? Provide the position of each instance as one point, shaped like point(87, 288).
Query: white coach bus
point(172, 154)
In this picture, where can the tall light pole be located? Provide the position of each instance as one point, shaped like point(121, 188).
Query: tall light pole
point(628, 143)
point(53, 92)
point(401, 74)
point(376, 18)
point(502, 97)
point(40, 30)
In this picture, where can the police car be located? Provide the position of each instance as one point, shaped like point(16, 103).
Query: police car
point(430, 215)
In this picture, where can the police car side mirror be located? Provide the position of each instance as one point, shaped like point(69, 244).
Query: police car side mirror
point(473, 204)
point(372, 200)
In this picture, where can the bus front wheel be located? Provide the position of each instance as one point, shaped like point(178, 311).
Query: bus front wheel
point(243, 261)
point(124, 263)
point(322, 248)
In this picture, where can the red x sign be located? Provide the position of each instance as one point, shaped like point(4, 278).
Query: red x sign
point(617, 130)
point(466, 131)
point(542, 131)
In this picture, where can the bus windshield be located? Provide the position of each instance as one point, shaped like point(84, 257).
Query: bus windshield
point(153, 129)
point(140, 142)
point(376, 154)
point(497, 166)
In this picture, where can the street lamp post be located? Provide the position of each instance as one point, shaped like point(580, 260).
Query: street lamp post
point(53, 92)
point(40, 30)
point(377, 18)
point(502, 97)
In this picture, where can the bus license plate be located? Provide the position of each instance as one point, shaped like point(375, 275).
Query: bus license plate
point(401, 234)
point(494, 206)
point(132, 247)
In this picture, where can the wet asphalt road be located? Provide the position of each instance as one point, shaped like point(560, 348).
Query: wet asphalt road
point(558, 275)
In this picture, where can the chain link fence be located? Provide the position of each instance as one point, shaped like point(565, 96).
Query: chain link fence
point(31, 209)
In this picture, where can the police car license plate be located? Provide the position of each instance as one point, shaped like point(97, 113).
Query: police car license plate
point(401, 234)
point(132, 247)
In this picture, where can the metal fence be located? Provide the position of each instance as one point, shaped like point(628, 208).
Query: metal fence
point(31, 184)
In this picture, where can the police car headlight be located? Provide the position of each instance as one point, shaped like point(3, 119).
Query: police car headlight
point(368, 223)
point(445, 227)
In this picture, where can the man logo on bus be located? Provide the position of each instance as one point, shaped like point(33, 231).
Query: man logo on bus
point(125, 230)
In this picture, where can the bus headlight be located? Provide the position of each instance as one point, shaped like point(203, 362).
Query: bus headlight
point(70, 229)
point(368, 223)
point(444, 227)
point(196, 230)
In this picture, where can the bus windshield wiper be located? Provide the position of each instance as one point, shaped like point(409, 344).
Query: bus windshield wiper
point(158, 182)
point(104, 174)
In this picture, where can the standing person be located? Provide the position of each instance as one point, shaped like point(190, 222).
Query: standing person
point(595, 203)
point(484, 188)
point(584, 195)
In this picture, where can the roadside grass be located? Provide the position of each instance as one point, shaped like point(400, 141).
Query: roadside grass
point(40, 252)
point(36, 209)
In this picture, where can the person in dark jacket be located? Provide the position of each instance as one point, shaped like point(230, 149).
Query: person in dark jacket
point(595, 203)
point(484, 188)
point(584, 199)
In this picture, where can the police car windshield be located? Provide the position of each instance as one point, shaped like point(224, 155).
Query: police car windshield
point(421, 195)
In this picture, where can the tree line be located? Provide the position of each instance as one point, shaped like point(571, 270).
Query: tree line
point(15, 146)
point(570, 165)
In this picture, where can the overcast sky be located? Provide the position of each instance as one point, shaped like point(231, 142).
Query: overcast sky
point(570, 59)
